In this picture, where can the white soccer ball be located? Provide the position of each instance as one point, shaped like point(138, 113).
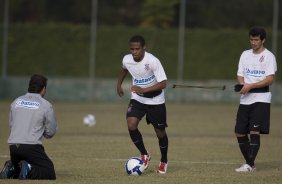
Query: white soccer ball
point(134, 166)
point(89, 120)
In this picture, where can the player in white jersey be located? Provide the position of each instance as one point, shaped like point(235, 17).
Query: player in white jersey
point(256, 71)
point(147, 97)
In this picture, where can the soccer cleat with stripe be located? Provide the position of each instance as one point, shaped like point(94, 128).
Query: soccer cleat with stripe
point(146, 159)
point(162, 168)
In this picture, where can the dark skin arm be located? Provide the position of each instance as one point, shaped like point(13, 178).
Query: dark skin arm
point(122, 74)
point(137, 89)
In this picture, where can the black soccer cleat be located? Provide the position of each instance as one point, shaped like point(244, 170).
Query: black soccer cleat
point(8, 170)
point(25, 170)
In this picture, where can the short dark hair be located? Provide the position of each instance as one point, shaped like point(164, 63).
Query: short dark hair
point(37, 83)
point(137, 38)
point(258, 31)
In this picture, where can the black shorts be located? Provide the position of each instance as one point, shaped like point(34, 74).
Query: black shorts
point(253, 117)
point(41, 165)
point(155, 114)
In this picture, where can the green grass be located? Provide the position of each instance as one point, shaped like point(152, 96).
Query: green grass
point(202, 146)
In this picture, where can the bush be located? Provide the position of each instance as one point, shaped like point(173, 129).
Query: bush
point(62, 50)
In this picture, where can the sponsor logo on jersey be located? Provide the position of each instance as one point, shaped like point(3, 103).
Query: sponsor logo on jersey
point(261, 59)
point(129, 108)
point(254, 73)
point(147, 67)
point(144, 81)
point(27, 104)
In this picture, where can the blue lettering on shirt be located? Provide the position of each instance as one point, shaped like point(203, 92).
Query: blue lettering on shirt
point(254, 73)
point(144, 81)
point(27, 104)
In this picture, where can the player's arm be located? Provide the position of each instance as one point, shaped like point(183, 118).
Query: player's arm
point(50, 124)
point(240, 79)
point(158, 86)
point(10, 119)
point(161, 78)
point(247, 87)
point(122, 74)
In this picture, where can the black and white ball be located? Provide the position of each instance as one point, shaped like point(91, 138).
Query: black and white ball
point(134, 166)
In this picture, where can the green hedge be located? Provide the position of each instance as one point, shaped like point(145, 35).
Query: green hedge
point(62, 50)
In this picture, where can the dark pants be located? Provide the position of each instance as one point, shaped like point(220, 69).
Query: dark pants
point(41, 166)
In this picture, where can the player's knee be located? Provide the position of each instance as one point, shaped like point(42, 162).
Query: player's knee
point(240, 135)
point(254, 132)
point(131, 127)
point(132, 123)
point(161, 133)
point(255, 139)
point(243, 139)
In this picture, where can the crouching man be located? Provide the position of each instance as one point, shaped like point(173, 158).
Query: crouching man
point(31, 118)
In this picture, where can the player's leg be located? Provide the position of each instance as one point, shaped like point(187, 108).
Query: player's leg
point(244, 145)
point(259, 123)
point(136, 135)
point(163, 144)
point(15, 159)
point(35, 164)
point(241, 131)
point(134, 114)
point(254, 147)
point(156, 115)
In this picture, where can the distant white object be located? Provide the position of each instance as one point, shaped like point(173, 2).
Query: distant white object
point(89, 120)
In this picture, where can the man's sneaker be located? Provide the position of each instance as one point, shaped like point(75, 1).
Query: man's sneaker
point(246, 168)
point(25, 170)
point(146, 159)
point(8, 170)
point(162, 168)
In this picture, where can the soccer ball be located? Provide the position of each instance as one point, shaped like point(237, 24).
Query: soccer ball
point(89, 120)
point(134, 166)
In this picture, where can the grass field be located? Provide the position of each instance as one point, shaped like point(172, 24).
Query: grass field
point(202, 146)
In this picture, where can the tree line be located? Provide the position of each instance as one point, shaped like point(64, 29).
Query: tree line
point(145, 13)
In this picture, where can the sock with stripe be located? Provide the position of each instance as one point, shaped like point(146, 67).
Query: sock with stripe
point(254, 148)
point(137, 139)
point(163, 143)
point(244, 145)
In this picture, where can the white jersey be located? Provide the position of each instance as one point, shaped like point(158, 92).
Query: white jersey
point(145, 73)
point(255, 68)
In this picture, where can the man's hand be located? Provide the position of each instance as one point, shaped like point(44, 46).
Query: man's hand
point(120, 91)
point(246, 88)
point(242, 88)
point(137, 89)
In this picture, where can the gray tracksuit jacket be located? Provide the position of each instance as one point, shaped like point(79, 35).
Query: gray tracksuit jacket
point(31, 118)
